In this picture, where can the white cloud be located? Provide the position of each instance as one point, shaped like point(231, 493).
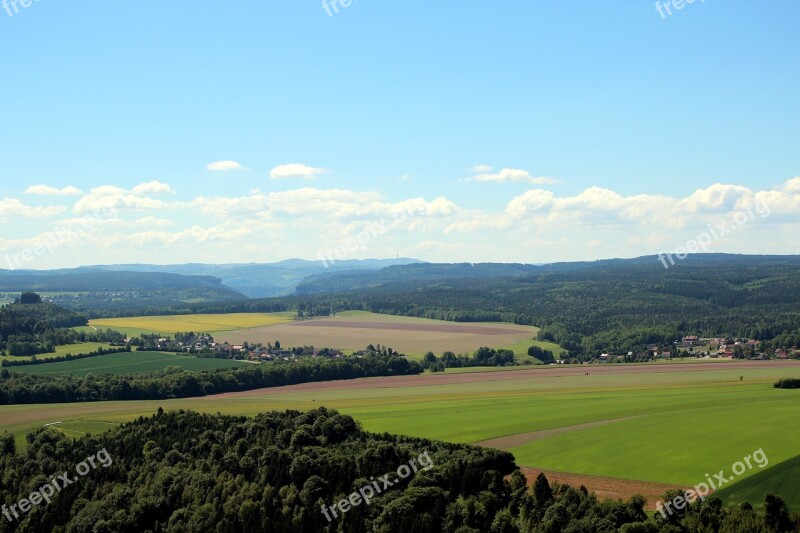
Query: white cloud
point(11, 208)
point(152, 187)
point(295, 170)
point(480, 169)
point(110, 197)
point(793, 185)
point(509, 175)
point(717, 197)
point(148, 221)
point(47, 190)
point(536, 225)
point(224, 166)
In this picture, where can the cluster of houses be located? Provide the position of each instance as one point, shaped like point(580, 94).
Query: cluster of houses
point(722, 347)
point(205, 345)
point(695, 346)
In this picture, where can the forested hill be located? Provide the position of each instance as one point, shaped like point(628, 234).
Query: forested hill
point(261, 280)
point(593, 306)
point(408, 274)
point(80, 280)
point(30, 326)
point(37, 315)
point(87, 289)
point(427, 273)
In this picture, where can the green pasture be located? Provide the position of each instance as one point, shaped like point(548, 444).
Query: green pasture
point(778, 478)
point(74, 349)
point(127, 363)
point(668, 424)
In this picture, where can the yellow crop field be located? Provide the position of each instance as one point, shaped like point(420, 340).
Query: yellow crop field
point(195, 323)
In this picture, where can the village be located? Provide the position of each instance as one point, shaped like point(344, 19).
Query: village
point(704, 347)
point(204, 345)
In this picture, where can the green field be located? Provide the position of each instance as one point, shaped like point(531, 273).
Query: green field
point(197, 323)
point(779, 479)
point(74, 349)
point(127, 363)
point(666, 423)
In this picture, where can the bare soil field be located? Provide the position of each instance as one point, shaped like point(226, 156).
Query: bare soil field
point(463, 328)
point(404, 334)
point(605, 487)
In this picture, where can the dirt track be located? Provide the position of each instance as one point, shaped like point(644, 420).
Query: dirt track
point(533, 373)
point(510, 441)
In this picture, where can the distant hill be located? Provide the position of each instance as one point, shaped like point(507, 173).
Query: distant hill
point(90, 279)
point(422, 274)
point(92, 288)
point(261, 280)
point(615, 305)
point(356, 279)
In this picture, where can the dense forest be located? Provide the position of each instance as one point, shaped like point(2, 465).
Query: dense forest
point(30, 326)
point(192, 473)
point(173, 382)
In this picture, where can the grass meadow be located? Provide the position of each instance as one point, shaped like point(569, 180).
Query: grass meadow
point(74, 349)
point(664, 424)
point(127, 363)
point(779, 478)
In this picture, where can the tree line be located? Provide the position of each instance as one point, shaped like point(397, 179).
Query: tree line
point(482, 357)
point(63, 358)
point(173, 382)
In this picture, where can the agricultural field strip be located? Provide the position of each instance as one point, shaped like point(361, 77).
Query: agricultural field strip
point(353, 331)
point(416, 399)
point(467, 412)
point(128, 362)
point(678, 446)
point(464, 328)
point(198, 323)
point(361, 398)
point(64, 349)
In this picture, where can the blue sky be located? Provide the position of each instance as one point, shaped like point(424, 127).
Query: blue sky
point(388, 105)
